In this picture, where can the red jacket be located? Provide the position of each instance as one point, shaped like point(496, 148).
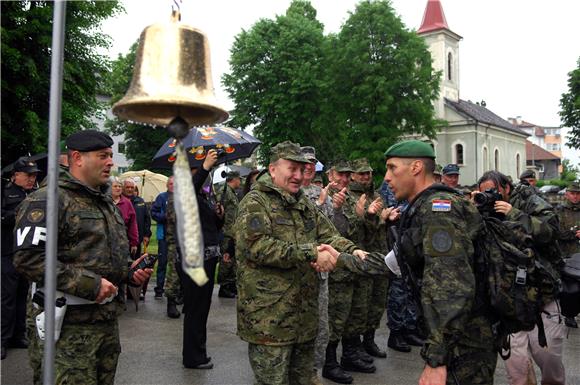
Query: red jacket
point(128, 213)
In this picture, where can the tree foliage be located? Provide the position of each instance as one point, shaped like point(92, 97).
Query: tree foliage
point(26, 43)
point(141, 142)
point(384, 83)
point(349, 95)
point(570, 104)
point(276, 71)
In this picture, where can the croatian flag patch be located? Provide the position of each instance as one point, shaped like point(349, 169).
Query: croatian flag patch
point(440, 205)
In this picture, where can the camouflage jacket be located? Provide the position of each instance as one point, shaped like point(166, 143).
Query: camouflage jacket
point(230, 203)
point(312, 192)
point(276, 238)
point(373, 232)
point(569, 215)
point(436, 236)
point(92, 243)
point(538, 219)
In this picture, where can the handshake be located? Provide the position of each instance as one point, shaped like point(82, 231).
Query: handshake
point(327, 257)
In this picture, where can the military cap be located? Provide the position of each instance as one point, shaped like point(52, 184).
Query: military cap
point(317, 178)
point(88, 140)
point(23, 164)
point(438, 169)
point(573, 187)
point(451, 169)
point(528, 174)
point(342, 166)
point(232, 174)
point(410, 149)
point(289, 151)
point(361, 165)
point(309, 153)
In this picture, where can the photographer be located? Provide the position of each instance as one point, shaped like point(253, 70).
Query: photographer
point(536, 218)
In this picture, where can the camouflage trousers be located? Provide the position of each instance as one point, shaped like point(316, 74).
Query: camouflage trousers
point(282, 365)
point(475, 367)
point(378, 295)
point(172, 286)
point(85, 353)
point(339, 307)
point(401, 307)
point(323, 327)
point(356, 323)
point(227, 273)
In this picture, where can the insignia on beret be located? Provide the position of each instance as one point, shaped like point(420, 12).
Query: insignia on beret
point(441, 241)
point(35, 215)
point(441, 205)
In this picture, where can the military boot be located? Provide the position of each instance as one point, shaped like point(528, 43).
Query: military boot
point(370, 345)
point(397, 342)
point(351, 360)
point(360, 350)
point(413, 338)
point(331, 369)
point(172, 311)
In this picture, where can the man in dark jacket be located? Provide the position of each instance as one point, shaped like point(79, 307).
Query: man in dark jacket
point(14, 286)
point(159, 214)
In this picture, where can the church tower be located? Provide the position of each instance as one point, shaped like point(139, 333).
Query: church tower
point(444, 47)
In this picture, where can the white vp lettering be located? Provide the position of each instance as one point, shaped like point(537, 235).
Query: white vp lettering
point(38, 235)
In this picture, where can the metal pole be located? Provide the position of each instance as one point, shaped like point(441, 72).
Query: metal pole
point(52, 194)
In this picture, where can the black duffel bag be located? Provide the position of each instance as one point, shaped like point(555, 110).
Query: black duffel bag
point(570, 295)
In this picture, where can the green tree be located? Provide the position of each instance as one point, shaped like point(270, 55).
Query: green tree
point(275, 78)
point(26, 43)
point(384, 83)
point(141, 141)
point(569, 171)
point(570, 104)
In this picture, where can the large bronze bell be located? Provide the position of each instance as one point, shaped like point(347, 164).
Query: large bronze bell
point(171, 78)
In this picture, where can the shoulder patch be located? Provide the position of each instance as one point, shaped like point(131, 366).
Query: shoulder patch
point(440, 205)
point(35, 215)
point(441, 241)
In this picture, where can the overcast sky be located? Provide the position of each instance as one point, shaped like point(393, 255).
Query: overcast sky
point(515, 54)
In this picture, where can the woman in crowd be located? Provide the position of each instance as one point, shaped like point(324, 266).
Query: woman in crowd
point(127, 212)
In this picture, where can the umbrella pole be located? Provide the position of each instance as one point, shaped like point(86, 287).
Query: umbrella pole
point(52, 192)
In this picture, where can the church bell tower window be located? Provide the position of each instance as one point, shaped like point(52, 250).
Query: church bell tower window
point(449, 66)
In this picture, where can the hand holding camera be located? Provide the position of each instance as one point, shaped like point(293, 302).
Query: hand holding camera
point(141, 269)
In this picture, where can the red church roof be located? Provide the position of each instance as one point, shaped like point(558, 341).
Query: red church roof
point(433, 18)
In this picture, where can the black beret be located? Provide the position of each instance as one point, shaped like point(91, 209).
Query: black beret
point(528, 174)
point(88, 140)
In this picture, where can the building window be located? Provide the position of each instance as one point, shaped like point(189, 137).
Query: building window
point(518, 165)
point(449, 65)
point(459, 154)
point(553, 146)
point(496, 160)
point(121, 148)
point(485, 159)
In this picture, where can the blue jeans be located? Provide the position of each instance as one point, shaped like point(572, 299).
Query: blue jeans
point(161, 263)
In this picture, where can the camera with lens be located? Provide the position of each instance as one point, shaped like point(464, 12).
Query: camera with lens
point(485, 201)
point(220, 152)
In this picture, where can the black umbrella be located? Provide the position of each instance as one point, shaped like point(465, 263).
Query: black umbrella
point(230, 143)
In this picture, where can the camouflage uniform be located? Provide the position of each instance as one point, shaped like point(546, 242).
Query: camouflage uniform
point(569, 215)
point(538, 219)
point(173, 289)
point(276, 237)
point(436, 240)
point(227, 271)
point(92, 243)
point(312, 192)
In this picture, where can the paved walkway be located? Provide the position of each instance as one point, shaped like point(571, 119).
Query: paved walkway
point(151, 345)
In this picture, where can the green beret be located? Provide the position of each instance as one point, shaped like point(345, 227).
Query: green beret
point(342, 166)
point(410, 149)
point(361, 165)
point(289, 151)
point(88, 140)
point(438, 169)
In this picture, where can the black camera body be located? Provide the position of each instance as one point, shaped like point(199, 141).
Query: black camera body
point(485, 201)
point(220, 152)
point(146, 263)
